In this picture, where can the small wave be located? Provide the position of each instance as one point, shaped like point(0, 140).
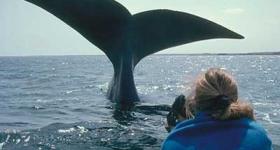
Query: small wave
point(103, 87)
point(144, 106)
point(79, 129)
point(147, 89)
point(71, 91)
point(35, 107)
point(15, 124)
point(266, 117)
point(259, 103)
point(276, 147)
point(66, 130)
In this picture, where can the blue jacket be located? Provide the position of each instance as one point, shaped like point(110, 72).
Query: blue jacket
point(205, 133)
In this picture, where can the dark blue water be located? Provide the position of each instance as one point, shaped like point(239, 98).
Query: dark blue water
point(58, 102)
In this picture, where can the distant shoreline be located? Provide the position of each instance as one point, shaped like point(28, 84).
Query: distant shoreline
point(227, 54)
point(191, 54)
point(253, 53)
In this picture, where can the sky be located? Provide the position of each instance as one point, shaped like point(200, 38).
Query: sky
point(26, 29)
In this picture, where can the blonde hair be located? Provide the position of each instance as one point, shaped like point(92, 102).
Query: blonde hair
point(216, 92)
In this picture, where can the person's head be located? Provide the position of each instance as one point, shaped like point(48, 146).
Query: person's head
point(216, 93)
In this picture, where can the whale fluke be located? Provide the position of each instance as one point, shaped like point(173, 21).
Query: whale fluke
point(126, 38)
point(160, 29)
point(102, 22)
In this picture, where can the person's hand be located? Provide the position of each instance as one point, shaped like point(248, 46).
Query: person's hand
point(177, 113)
point(181, 110)
point(168, 128)
point(171, 121)
point(179, 107)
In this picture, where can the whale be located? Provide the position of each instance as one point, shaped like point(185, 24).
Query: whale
point(127, 38)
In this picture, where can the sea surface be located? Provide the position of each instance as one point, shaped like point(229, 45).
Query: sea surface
point(59, 102)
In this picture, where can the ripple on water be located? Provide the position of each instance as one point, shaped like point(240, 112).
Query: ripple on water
point(86, 135)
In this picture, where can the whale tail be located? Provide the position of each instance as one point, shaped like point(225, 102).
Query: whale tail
point(126, 38)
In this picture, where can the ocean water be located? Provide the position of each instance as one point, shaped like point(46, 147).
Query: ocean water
point(59, 102)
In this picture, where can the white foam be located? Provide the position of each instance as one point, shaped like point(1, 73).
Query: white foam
point(66, 130)
point(18, 141)
point(27, 139)
point(8, 137)
point(103, 87)
point(3, 143)
point(268, 119)
point(82, 129)
point(69, 92)
point(258, 103)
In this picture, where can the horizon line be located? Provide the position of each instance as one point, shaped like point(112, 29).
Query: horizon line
point(222, 53)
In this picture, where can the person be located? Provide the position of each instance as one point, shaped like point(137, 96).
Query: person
point(221, 120)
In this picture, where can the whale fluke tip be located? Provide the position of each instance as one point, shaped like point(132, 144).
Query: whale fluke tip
point(238, 36)
point(241, 37)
